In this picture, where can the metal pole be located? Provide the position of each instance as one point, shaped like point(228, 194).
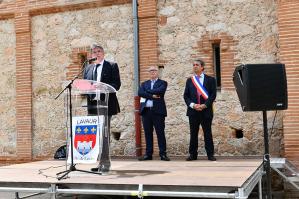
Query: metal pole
point(267, 157)
point(147, 193)
point(136, 46)
point(20, 189)
point(260, 189)
point(72, 167)
point(136, 80)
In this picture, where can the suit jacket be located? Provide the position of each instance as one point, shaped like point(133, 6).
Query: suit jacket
point(159, 88)
point(190, 95)
point(109, 75)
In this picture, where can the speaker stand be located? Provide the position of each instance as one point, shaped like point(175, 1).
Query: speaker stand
point(72, 166)
point(266, 160)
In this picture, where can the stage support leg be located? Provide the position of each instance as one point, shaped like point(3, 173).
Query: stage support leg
point(260, 189)
point(266, 161)
point(17, 195)
point(53, 191)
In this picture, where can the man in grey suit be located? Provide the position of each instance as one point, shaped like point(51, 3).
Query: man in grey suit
point(106, 72)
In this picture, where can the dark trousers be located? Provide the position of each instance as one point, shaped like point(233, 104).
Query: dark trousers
point(104, 138)
point(104, 157)
point(194, 122)
point(150, 121)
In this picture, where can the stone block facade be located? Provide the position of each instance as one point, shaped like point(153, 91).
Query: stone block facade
point(58, 41)
point(8, 88)
point(44, 43)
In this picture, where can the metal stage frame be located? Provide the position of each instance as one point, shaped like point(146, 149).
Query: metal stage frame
point(225, 178)
point(286, 170)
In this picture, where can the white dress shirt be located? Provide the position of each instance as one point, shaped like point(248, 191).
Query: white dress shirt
point(99, 71)
point(149, 103)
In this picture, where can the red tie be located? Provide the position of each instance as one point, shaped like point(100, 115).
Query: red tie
point(198, 97)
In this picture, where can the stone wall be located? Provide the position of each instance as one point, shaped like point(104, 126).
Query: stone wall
point(182, 24)
point(7, 1)
point(7, 89)
point(53, 38)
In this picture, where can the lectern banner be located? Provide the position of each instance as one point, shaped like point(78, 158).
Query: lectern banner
point(86, 143)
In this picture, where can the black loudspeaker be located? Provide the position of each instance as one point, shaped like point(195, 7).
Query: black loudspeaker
point(261, 87)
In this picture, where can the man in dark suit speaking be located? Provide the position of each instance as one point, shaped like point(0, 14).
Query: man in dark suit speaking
point(107, 72)
point(153, 111)
point(199, 95)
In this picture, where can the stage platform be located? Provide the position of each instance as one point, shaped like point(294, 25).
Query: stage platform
point(225, 178)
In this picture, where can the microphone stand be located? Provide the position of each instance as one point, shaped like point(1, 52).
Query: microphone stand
point(72, 166)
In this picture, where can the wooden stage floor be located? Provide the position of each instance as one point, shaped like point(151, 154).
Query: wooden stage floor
point(226, 178)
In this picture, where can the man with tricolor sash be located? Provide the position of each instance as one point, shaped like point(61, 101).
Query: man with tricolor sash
point(199, 95)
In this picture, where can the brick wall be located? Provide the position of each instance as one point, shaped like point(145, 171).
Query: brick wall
point(204, 49)
point(288, 20)
point(148, 45)
point(23, 83)
point(148, 49)
point(78, 57)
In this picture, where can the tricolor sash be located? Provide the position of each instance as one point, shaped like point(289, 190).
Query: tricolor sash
point(199, 87)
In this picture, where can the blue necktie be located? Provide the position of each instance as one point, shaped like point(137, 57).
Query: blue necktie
point(152, 84)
